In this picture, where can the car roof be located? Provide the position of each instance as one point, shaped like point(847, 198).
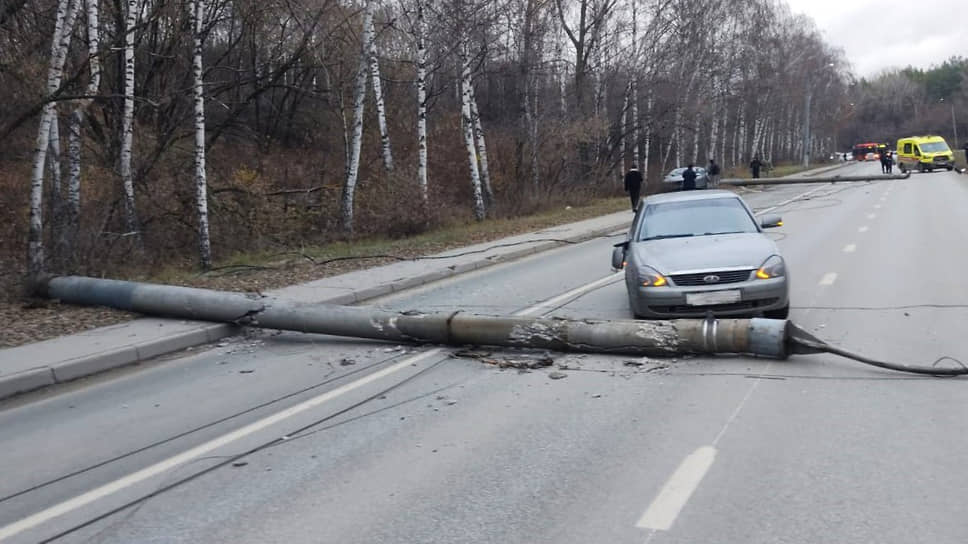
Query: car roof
point(683, 196)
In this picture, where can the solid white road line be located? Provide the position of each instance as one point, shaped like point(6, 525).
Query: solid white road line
point(863, 229)
point(828, 278)
point(201, 450)
point(551, 303)
point(664, 510)
point(850, 248)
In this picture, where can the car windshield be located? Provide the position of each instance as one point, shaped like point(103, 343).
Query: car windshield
point(695, 218)
point(934, 147)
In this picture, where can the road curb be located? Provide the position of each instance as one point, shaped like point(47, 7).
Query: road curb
point(137, 352)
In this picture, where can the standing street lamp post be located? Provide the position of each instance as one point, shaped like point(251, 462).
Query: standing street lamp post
point(954, 122)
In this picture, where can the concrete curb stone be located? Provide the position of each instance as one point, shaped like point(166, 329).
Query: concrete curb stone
point(130, 353)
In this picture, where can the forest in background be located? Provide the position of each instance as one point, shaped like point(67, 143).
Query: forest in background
point(140, 133)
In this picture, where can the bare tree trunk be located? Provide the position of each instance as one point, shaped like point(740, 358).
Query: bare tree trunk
point(359, 92)
point(127, 119)
point(697, 123)
point(378, 97)
point(63, 26)
point(54, 166)
point(67, 239)
point(647, 142)
point(467, 124)
point(201, 183)
point(623, 126)
point(422, 104)
point(481, 151)
point(636, 62)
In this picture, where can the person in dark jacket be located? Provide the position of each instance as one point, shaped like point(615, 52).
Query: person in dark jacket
point(755, 166)
point(689, 179)
point(713, 172)
point(633, 185)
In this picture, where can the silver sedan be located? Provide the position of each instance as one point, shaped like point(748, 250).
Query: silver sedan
point(690, 253)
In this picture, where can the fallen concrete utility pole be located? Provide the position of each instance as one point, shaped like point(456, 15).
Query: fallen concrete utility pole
point(763, 337)
point(793, 181)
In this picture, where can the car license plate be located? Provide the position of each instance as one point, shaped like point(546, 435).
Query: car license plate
point(712, 297)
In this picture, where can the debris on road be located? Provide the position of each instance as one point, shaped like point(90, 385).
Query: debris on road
point(524, 362)
point(557, 375)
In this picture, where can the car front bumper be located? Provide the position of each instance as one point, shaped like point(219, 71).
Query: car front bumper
point(755, 297)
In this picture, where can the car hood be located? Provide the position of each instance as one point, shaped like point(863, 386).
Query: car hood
point(701, 253)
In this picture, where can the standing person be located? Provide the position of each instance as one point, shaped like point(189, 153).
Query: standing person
point(689, 179)
point(889, 161)
point(633, 185)
point(755, 166)
point(713, 171)
point(885, 158)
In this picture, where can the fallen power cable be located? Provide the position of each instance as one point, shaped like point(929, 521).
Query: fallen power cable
point(761, 337)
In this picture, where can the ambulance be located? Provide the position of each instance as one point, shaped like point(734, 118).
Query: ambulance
point(924, 154)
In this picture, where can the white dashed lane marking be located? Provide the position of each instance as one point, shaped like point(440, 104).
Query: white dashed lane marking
point(863, 229)
point(872, 216)
point(829, 278)
point(678, 488)
point(850, 248)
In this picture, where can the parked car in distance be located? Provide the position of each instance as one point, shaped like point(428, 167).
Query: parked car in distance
point(693, 252)
point(674, 178)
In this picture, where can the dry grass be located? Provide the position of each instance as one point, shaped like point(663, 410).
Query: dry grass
point(28, 321)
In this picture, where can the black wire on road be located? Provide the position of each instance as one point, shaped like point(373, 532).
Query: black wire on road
point(188, 432)
point(803, 342)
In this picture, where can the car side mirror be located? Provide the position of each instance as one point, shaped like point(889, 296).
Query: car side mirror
point(618, 256)
point(770, 221)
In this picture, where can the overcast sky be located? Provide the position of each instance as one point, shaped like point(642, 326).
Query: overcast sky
point(872, 36)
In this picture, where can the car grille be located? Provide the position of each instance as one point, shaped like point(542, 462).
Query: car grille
point(941, 159)
point(701, 310)
point(728, 276)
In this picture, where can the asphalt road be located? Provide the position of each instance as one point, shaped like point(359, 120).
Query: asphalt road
point(298, 438)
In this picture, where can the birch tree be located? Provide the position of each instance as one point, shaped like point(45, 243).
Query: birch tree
point(197, 8)
point(481, 150)
point(378, 98)
point(63, 28)
point(467, 124)
point(133, 7)
point(421, 31)
point(356, 142)
point(68, 235)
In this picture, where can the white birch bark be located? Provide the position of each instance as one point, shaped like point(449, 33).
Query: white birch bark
point(63, 25)
point(635, 123)
point(623, 127)
point(127, 118)
point(535, 178)
point(68, 235)
point(359, 92)
point(696, 124)
point(467, 124)
point(201, 183)
point(481, 150)
point(422, 104)
point(636, 58)
point(647, 141)
point(378, 98)
point(54, 163)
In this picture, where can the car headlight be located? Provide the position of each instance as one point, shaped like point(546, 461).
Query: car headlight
point(771, 268)
point(648, 277)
